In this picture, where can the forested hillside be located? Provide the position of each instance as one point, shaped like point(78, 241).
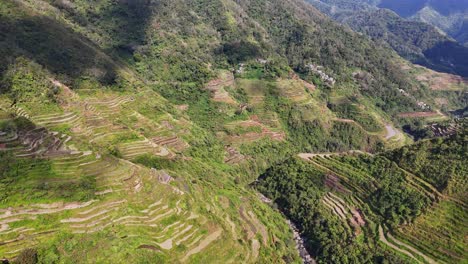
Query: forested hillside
point(358, 206)
point(131, 130)
point(417, 41)
point(450, 16)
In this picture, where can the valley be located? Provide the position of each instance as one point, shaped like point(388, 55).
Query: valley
point(428, 33)
point(219, 131)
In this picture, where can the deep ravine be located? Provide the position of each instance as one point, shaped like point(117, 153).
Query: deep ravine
point(300, 242)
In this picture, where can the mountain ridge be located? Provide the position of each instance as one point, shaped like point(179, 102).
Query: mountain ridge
point(412, 38)
point(133, 130)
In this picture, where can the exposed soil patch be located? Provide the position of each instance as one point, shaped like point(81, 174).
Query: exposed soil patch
point(174, 143)
point(216, 87)
point(163, 176)
point(255, 248)
point(233, 156)
point(253, 136)
point(67, 95)
point(333, 182)
point(183, 107)
point(166, 244)
point(357, 221)
point(391, 131)
point(357, 215)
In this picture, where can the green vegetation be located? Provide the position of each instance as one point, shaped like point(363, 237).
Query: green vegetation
point(440, 162)
point(297, 188)
point(131, 130)
point(352, 111)
point(391, 190)
point(414, 39)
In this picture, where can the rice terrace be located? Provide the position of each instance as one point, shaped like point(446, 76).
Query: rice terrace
point(221, 131)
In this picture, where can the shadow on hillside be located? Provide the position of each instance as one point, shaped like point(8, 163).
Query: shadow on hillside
point(54, 46)
point(125, 21)
point(132, 19)
point(70, 54)
point(451, 55)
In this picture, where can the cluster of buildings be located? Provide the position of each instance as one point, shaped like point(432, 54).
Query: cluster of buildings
point(319, 71)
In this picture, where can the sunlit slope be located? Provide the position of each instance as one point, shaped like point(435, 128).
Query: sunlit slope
point(406, 206)
point(120, 170)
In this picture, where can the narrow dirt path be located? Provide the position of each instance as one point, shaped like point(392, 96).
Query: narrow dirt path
point(187, 237)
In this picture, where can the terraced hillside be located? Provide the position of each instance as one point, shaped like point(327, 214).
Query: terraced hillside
point(448, 92)
point(131, 130)
point(84, 185)
point(409, 203)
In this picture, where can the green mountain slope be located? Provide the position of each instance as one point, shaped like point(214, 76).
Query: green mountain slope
point(449, 16)
point(131, 130)
point(416, 41)
point(410, 201)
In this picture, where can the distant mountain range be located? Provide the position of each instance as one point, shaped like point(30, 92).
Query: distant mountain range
point(425, 32)
point(451, 16)
point(409, 8)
